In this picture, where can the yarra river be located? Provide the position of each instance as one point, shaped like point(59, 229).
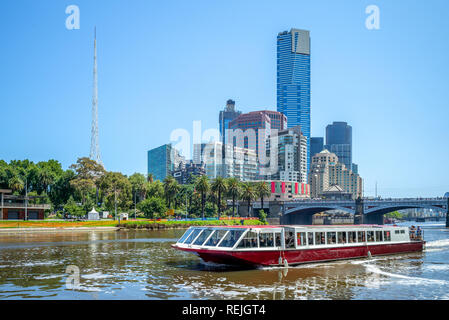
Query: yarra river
point(142, 265)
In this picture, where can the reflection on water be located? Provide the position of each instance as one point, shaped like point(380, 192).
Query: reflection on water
point(142, 265)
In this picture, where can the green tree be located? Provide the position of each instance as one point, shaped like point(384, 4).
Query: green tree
point(88, 174)
point(262, 190)
point(16, 184)
point(263, 216)
point(248, 194)
point(171, 187)
point(203, 187)
point(117, 189)
point(73, 208)
point(233, 188)
point(219, 186)
point(152, 206)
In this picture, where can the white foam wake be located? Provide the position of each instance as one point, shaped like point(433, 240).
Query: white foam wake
point(410, 280)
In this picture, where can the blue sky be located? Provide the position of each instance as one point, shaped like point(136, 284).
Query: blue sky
point(162, 65)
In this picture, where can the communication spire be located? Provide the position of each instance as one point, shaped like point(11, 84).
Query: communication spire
point(94, 146)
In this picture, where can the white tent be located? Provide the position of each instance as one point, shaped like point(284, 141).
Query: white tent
point(93, 215)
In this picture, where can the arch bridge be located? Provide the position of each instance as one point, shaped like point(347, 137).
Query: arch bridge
point(366, 211)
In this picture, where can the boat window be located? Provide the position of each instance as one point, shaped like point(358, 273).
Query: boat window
point(231, 238)
point(193, 235)
point(379, 236)
point(361, 236)
point(352, 236)
point(185, 235)
point(331, 238)
point(396, 231)
point(319, 238)
point(310, 238)
point(249, 240)
point(301, 238)
point(370, 236)
point(277, 236)
point(341, 236)
point(215, 238)
point(289, 239)
point(202, 237)
point(266, 240)
point(387, 236)
point(402, 231)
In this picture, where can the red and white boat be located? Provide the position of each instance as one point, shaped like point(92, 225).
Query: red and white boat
point(291, 245)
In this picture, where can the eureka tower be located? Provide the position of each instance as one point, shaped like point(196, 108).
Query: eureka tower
point(293, 80)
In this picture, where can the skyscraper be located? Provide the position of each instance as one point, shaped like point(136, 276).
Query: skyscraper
point(316, 146)
point(291, 156)
point(225, 117)
point(163, 160)
point(293, 80)
point(339, 141)
point(255, 120)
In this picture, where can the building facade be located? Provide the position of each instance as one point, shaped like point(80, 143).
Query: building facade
point(327, 171)
point(225, 160)
point(186, 173)
point(251, 130)
point(339, 141)
point(225, 117)
point(291, 153)
point(293, 80)
point(14, 207)
point(316, 146)
point(164, 160)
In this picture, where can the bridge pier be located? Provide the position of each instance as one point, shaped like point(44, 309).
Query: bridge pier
point(447, 213)
point(359, 212)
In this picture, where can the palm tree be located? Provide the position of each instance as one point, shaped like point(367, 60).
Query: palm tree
point(262, 191)
point(203, 187)
point(16, 184)
point(248, 194)
point(219, 186)
point(170, 188)
point(233, 191)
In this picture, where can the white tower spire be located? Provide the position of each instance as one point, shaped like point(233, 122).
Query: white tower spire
point(94, 147)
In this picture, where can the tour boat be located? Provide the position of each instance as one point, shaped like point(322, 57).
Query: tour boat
point(291, 245)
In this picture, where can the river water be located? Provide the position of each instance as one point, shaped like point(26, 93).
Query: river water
point(142, 265)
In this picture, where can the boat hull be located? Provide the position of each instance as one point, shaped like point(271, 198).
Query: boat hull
point(299, 256)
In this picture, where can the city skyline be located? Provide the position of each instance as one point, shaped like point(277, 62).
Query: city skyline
point(380, 97)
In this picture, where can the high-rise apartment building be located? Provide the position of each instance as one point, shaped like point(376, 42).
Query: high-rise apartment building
point(225, 160)
point(225, 117)
point(163, 160)
point(291, 155)
point(339, 141)
point(327, 171)
point(255, 127)
point(293, 80)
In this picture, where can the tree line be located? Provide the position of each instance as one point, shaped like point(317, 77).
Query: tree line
point(86, 185)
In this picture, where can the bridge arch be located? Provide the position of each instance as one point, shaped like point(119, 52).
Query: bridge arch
point(303, 215)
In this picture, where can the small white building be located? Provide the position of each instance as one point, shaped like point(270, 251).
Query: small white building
point(93, 215)
point(124, 216)
point(104, 214)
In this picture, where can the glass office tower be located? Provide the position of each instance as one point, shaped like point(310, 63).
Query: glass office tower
point(339, 141)
point(225, 117)
point(293, 80)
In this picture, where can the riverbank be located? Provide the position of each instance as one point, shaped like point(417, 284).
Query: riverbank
point(56, 226)
point(156, 225)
